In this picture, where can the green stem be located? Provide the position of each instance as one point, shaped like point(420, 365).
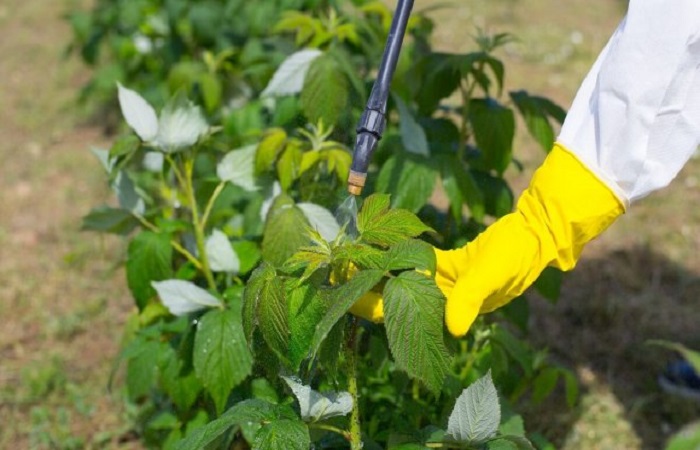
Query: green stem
point(198, 226)
point(176, 245)
point(332, 429)
point(355, 437)
point(210, 204)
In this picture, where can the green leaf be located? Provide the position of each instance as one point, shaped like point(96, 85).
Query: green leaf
point(149, 258)
point(441, 79)
point(411, 254)
point(182, 387)
point(461, 187)
point(548, 284)
point(414, 313)
point(341, 299)
point(142, 368)
point(501, 444)
point(124, 145)
point(544, 383)
point(373, 207)
point(571, 387)
point(476, 414)
point(251, 414)
point(498, 198)
point(251, 297)
point(687, 439)
point(283, 435)
point(204, 436)
point(412, 133)
point(410, 181)
point(362, 255)
point(272, 316)
point(393, 227)
point(289, 165)
point(494, 130)
point(221, 356)
point(516, 348)
point(110, 220)
point(513, 425)
point(248, 253)
point(325, 92)
point(536, 111)
point(211, 90)
point(306, 309)
point(691, 356)
point(269, 149)
point(285, 231)
point(511, 442)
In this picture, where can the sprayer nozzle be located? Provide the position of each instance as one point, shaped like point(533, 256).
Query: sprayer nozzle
point(356, 181)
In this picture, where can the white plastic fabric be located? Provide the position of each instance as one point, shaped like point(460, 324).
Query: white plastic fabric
point(635, 120)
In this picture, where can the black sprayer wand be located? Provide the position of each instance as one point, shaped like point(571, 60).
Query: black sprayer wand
point(373, 120)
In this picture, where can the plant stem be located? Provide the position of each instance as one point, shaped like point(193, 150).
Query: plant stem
point(210, 204)
point(355, 437)
point(176, 245)
point(331, 428)
point(198, 226)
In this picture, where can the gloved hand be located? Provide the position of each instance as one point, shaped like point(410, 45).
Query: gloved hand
point(564, 207)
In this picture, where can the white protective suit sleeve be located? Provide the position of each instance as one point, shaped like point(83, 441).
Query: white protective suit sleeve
point(635, 121)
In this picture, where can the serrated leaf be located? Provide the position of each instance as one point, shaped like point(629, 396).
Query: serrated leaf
point(325, 92)
point(283, 435)
point(321, 220)
point(510, 443)
point(251, 297)
point(221, 357)
point(362, 255)
point(149, 259)
point(309, 258)
point(341, 299)
point(285, 231)
point(411, 254)
point(142, 368)
point(289, 77)
point(140, 116)
point(393, 227)
point(494, 130)
point(306, 309)
point(222, 257)
point(110, 220)
point(269, 149)
point(373, 207)
point(409, 181)
point(180, 125)
point(315, 406)
point(183, 297)
point(237, 167)
point(513, 425)
point(248, 253)
point(272, 193)
point(476, 414)
point(272, 316)
point(412, 133)
point(414, 313)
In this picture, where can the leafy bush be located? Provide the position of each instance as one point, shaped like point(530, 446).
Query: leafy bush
point(240, 270)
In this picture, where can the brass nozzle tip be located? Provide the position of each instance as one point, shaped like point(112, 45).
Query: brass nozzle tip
point(354, 189)
point(356, 181)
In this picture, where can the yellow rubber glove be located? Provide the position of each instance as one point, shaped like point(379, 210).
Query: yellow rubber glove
point(564, 207)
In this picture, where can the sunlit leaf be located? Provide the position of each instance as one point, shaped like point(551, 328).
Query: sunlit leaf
point(183, 297)
point(181, 124)
point(222, 257)
point(414, 314)
point(476, 414)
point(315, 406)
point(321, 220)
point(289, 77)
point(140, 116)
point(237, 167)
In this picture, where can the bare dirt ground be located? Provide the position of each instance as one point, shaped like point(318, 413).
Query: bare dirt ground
point(63, 303)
